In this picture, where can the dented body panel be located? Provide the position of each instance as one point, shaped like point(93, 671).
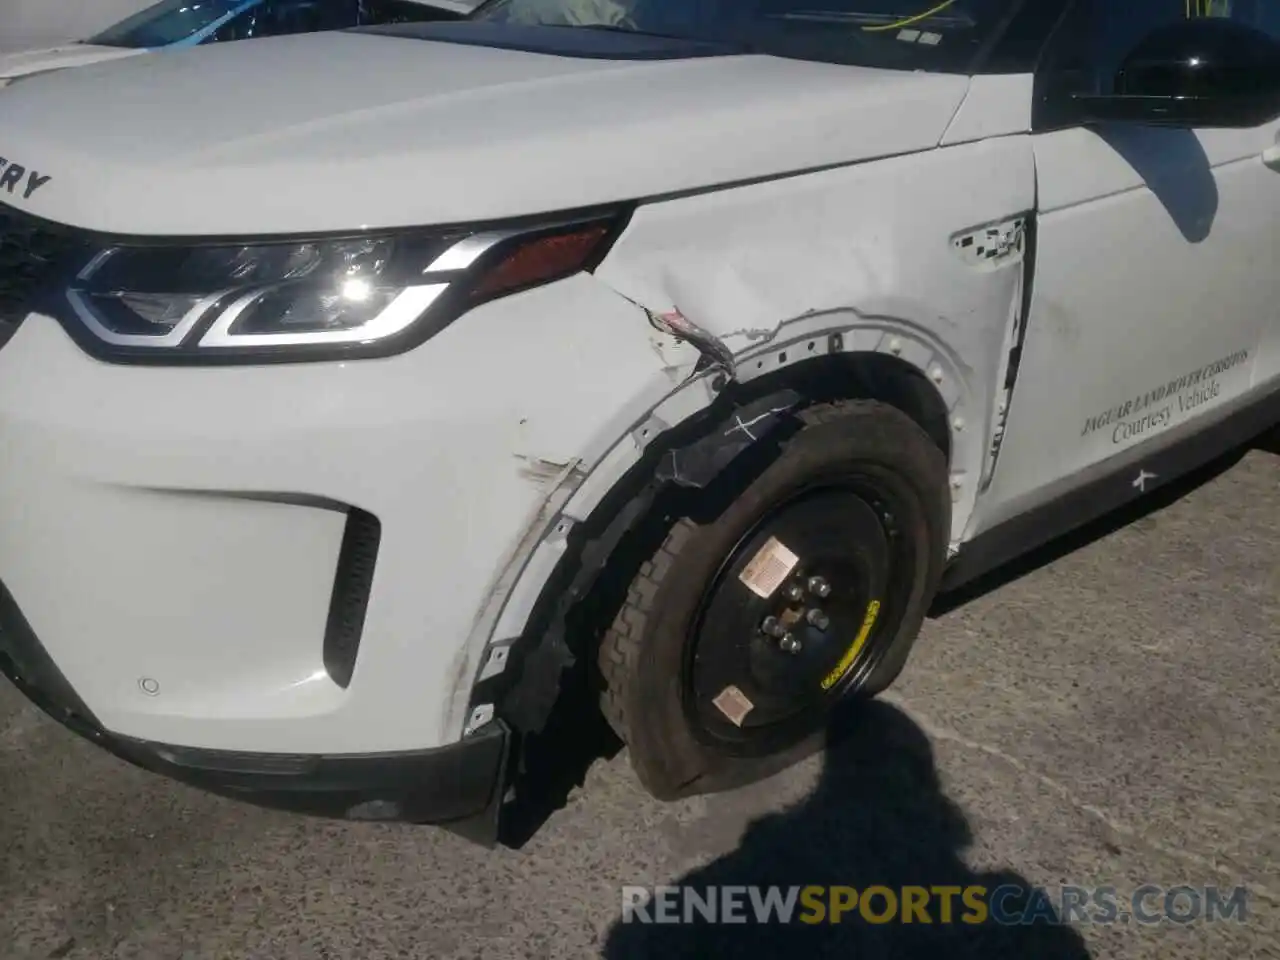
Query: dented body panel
point(880, 251)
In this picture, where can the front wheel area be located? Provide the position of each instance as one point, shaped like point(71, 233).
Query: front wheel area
point(739, 636)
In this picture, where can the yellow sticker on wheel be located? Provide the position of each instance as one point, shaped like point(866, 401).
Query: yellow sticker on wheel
point(850, 655)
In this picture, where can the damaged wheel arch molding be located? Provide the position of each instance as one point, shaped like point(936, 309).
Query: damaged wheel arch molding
point(712, 428)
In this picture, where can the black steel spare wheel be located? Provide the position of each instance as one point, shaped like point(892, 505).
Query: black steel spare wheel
point(742, 632)
point(788, 625)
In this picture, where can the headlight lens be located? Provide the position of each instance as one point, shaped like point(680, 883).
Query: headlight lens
point(310, 298)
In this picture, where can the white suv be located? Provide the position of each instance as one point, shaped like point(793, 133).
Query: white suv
point(343, 376)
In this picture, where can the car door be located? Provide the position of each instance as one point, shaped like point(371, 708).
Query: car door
point(1154, 297)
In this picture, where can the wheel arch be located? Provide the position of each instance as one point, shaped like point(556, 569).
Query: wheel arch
point(611, 522)
point(871, 375)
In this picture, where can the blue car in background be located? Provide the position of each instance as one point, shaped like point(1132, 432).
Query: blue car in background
point(178, 24)
point(173, 24)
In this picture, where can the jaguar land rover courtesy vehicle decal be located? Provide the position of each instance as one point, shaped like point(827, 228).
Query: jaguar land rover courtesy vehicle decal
point(1168, 402)
point(428, 374)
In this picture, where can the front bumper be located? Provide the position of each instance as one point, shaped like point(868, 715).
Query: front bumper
point(459, 786)
point(185, 541)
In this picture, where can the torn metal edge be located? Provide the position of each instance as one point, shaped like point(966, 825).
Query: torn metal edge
point(712, 348)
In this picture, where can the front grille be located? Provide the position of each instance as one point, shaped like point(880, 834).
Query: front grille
point(31, 255)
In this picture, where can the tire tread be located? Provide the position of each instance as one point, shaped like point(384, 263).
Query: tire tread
point(621, 646)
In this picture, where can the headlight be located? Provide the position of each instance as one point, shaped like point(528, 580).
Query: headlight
point(312, 299)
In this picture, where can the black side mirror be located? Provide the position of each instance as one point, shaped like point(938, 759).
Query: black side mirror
point(1207, 72)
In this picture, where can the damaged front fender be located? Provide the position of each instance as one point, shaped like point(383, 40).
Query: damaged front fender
point(745, 282)
point(566, 566)
point(920, 256)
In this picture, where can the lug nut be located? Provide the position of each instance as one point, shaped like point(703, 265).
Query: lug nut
point(771, 627)
point(819, 587)
point(818, 619)
point(793, 591)
point(789, 644)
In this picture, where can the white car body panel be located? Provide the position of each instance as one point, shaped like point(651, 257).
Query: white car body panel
point(745, 264)
point(58, 58)
point(180, 507)
point(786, 202)
point(30, 24)
point(995, 106)
point(1190, 220)
point(270, 158)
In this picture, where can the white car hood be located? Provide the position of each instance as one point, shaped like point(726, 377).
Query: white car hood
point(58, 58)
point(347, 130)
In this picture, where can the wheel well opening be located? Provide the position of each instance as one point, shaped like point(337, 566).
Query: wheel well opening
point(572, 614)
point(870, 376)
point(853, 376)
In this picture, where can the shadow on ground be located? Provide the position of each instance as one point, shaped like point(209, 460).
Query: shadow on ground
point(1270, 442)
point(877, 818)
point(556, 761)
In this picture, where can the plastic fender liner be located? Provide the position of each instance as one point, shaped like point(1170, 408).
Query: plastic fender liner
point(694, 456)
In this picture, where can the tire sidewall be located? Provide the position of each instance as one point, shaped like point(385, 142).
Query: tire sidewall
point(871, 439)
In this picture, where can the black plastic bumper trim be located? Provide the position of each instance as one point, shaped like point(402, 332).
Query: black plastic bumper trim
point(443, 785)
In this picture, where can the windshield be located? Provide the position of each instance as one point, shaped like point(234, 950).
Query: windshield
point(903, 34)
point(169, 21)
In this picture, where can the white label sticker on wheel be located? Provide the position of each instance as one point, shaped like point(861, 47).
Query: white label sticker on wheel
point(768, 568)
point(733, 703)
